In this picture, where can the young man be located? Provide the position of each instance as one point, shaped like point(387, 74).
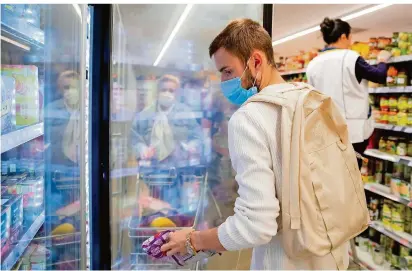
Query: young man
point(243, 54)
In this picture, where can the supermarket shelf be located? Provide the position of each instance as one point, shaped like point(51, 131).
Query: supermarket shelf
point(389, 157)
point(401, 237)
point(20, 38)
point(124, 172)
point(396, 59)
point(395, 128)
point(19, 137)
point(407, 89)
point(25, 240)
point(385, 191)
point(365, 260)
point(293, 72)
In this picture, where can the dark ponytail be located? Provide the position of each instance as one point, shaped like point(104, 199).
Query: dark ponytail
point(332, 30)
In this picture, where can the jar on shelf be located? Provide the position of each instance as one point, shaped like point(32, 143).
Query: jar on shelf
point(402, 79)
point(409, 150)
point(395, 37)
point(393, 103)
point(401, 148)
point(402, 118)
point(403, 103)
point(384, 103)
point(382, 144)
point(410, 104)
point(398, 169)
point(393, 117)
point(384, 117)
point(391, 144)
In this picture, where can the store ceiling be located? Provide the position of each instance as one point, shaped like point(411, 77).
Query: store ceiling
point(380, 23)
point(147, 28)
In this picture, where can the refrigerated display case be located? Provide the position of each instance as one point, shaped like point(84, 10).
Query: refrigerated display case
point(43, 142)
point(169, 162)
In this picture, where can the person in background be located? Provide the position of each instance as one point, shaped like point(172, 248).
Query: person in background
point(342, 74)
point(166, 131)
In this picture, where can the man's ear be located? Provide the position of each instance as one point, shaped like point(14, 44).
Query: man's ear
point(257, 60)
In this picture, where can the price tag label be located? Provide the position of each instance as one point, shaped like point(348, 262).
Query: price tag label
point(397, 128)
point(404, 242)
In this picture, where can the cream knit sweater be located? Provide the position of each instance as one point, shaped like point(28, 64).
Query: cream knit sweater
point(254, 144)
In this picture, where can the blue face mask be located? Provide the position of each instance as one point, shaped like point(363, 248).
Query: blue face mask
point(234, 92)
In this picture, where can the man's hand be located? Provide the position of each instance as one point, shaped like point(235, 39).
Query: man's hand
point(147, 153)
point(176, 243)
point(384, 56)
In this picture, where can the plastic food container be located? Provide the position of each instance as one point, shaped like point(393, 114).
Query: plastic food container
point(15, 203)
point(31, 188)
point(5, 223)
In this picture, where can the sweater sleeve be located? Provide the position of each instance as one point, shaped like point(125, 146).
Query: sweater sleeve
point(256, 208)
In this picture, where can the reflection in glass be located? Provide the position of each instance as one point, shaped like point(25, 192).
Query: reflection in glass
point(169, 153)
point(40, 136)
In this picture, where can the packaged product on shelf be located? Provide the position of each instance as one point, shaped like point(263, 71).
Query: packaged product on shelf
point(408, 220)
point(27, 93)
point(388, 249)
point(405, 263)
point(401, 148)
point(387, 213)
point(395, 184)
point(393, 103)
point(32, 190)
point(16, 214)
point(402, 79)
point(402, 118)
point(382, 144)
point(404, 189)
point(398, 217)
point(8, 120)
point(378, 171)
point(373, 209)
point(392, 73)
point(35, 258)
point(5, 225)
point(378, 255)
point(395, 254)
point(391, 144)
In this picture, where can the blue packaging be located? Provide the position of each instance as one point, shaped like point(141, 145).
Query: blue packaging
point(5, 222)
point(15, 202)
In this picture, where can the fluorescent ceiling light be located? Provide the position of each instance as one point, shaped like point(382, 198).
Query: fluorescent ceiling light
point(173, 33)
point(18, 44)
point(317, 28)
point(78, 10)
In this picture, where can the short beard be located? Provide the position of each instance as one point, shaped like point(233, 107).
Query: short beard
point(248, 80)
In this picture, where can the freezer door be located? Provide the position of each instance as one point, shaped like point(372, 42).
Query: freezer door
point(43, 142)
point(169, 160)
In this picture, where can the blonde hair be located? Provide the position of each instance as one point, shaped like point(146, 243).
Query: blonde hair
point(70, 74)
point(169, 78)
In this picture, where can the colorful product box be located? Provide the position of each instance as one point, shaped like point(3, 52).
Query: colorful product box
point(5, 224)
point(8, 108)
point(15, 203)
point(26, 93)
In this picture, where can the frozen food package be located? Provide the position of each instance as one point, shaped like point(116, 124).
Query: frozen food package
point(26, 93)
point(8, 108)
point(153, 245)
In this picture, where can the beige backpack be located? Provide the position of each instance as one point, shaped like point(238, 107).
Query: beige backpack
point(323, 201)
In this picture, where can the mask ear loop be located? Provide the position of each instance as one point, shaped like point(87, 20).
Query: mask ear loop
point(247, 65)
point(255, 78)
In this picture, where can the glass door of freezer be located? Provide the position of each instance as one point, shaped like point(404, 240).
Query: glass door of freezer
point(43, 137)
point(169, 162)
